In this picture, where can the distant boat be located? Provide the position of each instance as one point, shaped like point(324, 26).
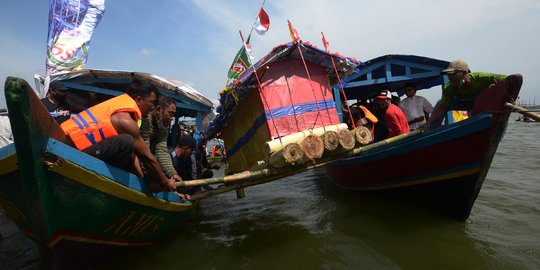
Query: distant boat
point(443, 168)
point(525, 118)
point(76, 207)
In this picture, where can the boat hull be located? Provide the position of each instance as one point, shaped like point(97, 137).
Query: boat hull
point(443, 169)
point(85, 223)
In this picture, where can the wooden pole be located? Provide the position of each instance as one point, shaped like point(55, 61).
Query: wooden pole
point(240, 193)
point(291, 154)
point(362, 135)
point(273, 173)
point(346, 139)
point(523, 111)
point(275, 145)
point(330, 139)
point(313, 146)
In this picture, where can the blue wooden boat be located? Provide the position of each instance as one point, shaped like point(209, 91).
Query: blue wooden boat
point(77, 208)
point(443, 168)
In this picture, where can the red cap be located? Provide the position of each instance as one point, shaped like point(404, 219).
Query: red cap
point(385, 94)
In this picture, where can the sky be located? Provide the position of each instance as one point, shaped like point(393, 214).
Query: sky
point(195, 41)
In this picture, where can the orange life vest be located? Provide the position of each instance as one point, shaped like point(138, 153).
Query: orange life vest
point(94, 124)
point(369, 116)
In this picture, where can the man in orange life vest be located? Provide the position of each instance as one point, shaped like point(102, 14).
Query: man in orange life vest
point(109, 131)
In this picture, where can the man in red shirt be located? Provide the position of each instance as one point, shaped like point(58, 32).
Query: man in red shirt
point(395, 119)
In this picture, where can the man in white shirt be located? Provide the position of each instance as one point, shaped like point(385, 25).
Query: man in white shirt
point(416, 108)
point(6, 136)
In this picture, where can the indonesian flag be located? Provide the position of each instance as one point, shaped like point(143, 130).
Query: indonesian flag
point(263, 22)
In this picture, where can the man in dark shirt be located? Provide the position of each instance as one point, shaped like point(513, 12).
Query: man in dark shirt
point(204, 168)
point(181, 159)
point(56, 103)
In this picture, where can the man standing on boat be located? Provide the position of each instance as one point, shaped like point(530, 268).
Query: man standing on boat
point(415, 108)
point(57, 105)
point(463, 88)
point(110, 131)
point(395, 120)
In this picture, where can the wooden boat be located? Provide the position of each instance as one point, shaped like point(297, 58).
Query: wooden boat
point(286, 92)
point(216, 159)
point(525, 118)
point(443, 167)
point(78, 208)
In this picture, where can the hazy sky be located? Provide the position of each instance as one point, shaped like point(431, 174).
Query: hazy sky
point(195, 40)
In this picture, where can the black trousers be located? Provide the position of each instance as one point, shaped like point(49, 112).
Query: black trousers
point(117, 151)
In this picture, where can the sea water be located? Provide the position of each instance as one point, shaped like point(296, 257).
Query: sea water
point(305, 222)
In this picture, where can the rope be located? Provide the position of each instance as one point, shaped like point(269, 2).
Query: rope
point(294, 110)
point(266, 104)
point(313, 91)
point(343, 92)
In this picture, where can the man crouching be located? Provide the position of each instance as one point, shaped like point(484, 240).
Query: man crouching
point(110, 131)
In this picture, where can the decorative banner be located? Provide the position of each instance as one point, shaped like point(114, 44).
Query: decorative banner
point(242, 60)
point(240, 64)
point(71, 25)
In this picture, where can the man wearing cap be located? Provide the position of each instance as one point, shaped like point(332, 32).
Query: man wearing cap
point(464, 87)
point(395, 120)
point(57, 105)
point(415, 108)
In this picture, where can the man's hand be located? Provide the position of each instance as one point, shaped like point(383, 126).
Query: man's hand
point(176, 178)
point(416, 120)
point(184, 197)
point(424, 127)
point(169, 185)
point(495, 82)
point(206, 173)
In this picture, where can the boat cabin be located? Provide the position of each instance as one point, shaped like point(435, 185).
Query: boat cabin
point(392, 72)
point(287, 91)
point(90, 87)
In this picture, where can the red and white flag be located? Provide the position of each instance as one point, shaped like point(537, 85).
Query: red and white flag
point(263, 22)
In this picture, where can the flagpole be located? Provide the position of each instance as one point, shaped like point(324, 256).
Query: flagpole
point(339, 80)
point(249, 35)
point(259, 87)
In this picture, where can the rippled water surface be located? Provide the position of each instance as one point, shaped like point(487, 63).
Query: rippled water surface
point(305, 222)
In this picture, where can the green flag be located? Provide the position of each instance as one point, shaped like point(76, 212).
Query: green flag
point(241, 62)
